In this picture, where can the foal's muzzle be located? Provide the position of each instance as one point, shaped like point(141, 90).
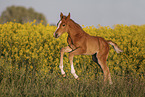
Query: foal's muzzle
point(56, 35)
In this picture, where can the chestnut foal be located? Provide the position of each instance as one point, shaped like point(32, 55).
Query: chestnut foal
point(81, 43)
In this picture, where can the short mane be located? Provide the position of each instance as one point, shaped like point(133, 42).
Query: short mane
point(75, 25)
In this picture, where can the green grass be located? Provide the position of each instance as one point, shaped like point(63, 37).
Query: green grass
point(30, 83)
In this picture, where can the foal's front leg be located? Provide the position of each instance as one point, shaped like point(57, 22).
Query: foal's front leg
point(63, 50)
point(78, 51)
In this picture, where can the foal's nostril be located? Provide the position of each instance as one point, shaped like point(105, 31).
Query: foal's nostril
point(56, 35)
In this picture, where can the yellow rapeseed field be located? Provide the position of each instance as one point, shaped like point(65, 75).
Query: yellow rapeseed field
point(34, 47)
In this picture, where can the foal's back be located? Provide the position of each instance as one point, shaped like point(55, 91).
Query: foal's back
point(94, 44)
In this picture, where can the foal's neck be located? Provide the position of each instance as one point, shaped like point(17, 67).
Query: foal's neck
point(75, 30)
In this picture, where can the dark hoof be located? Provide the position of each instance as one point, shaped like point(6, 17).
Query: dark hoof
point(64, 75)
point(77, 79)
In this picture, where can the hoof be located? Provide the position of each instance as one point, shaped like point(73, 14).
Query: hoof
point(64, 75)
point(77, 79)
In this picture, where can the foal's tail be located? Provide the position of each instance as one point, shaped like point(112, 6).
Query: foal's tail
point(116, 48)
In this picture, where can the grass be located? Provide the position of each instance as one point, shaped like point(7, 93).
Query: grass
point(30, 57)
point(22, 83)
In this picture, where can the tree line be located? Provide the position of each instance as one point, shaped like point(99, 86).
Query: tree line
point(22, 15)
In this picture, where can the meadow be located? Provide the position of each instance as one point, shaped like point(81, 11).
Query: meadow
point(29, 63)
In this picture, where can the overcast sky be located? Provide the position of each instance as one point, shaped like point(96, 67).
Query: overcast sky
point(86, 12)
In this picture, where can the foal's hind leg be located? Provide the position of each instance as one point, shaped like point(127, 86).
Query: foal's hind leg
point(63, 50)
point(102, 58)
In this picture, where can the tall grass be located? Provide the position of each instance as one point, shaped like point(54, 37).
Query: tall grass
point(20, 82)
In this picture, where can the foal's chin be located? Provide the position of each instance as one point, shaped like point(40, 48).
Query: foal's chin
point(56, 37)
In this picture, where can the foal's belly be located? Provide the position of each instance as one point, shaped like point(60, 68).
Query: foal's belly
point(91, 51)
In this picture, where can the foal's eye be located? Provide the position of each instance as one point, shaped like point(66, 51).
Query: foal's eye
point(63, 25)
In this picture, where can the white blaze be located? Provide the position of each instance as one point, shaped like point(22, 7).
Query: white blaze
point(58, 27)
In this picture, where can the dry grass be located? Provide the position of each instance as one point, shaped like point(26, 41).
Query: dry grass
point(30, 83)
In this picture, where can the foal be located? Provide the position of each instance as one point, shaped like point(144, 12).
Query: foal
point(81, 43)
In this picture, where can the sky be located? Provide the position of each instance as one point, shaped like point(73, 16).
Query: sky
point(86, 12)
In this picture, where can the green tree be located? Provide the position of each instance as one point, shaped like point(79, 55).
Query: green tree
point(22, 15)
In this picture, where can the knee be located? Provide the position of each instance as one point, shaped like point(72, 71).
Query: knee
point(62, 50)
point(106, 70)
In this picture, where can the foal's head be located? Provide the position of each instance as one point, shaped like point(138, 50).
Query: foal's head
point(62, 25)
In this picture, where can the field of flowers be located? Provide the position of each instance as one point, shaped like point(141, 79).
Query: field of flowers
point(32, 48)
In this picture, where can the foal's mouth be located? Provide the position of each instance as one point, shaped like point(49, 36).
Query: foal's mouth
point(56, 35)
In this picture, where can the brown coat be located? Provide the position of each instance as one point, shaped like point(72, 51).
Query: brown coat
point(81, 43)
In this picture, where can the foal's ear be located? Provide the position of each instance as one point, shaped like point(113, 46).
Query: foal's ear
point(68, 17)
point(61, 15)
